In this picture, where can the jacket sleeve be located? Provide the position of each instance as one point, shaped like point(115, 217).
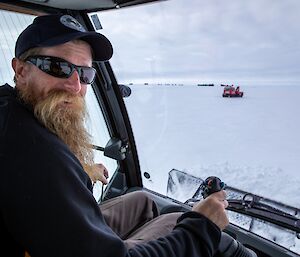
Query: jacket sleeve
point(194, 235)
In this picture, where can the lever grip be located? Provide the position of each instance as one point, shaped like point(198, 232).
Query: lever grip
point(211, 185)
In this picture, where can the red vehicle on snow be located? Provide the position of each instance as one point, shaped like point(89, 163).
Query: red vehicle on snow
point(231, 91)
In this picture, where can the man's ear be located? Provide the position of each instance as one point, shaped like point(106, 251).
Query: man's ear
point(19, 68)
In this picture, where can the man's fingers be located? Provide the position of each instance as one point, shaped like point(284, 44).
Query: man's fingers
point(213, 207)
point(102, 169)
point(105, 173)
point(221, 195)
point(103, 180)
point(225, 202)
point(100, 173)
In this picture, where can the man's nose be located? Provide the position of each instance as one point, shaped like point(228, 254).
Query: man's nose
point(73, 84)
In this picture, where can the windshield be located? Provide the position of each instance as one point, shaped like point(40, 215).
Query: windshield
point(168, 54)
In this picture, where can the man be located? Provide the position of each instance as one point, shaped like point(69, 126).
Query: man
point(47, 167)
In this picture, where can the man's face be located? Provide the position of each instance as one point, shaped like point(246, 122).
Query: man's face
point(39, 84)
point(58, 103)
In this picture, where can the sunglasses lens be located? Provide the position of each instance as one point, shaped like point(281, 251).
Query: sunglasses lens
point(59, 69)
point(87, 75)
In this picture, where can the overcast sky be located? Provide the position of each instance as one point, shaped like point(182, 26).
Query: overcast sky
point(197, 41)
point(194, 41)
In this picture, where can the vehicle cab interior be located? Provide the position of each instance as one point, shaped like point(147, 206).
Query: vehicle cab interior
point(122, 120)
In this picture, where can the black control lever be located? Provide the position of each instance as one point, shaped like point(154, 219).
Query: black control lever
point(228, 247)
point(211, 185)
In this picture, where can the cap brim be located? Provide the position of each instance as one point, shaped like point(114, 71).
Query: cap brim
point(102, 48)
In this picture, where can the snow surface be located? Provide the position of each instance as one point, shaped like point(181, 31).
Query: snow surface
point(251, 143)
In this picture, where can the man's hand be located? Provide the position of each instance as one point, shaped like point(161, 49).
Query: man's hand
point(99, 173)
point(213, 207)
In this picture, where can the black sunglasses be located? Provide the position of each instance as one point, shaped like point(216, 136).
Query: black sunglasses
point(61, 68)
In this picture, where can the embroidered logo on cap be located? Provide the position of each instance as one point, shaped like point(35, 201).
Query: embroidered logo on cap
point(72, 23)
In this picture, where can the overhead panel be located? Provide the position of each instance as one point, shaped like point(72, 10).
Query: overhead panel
point(92, 5)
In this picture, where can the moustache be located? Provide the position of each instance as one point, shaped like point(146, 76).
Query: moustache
point(58, 98)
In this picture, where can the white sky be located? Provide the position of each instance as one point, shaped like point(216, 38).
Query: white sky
point(254, 41)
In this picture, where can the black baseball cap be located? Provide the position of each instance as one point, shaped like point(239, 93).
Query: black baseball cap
point(52, 30)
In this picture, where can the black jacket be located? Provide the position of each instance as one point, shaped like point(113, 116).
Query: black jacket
point(47, 206)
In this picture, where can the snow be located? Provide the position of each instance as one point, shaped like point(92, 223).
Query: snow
point(251, 143)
